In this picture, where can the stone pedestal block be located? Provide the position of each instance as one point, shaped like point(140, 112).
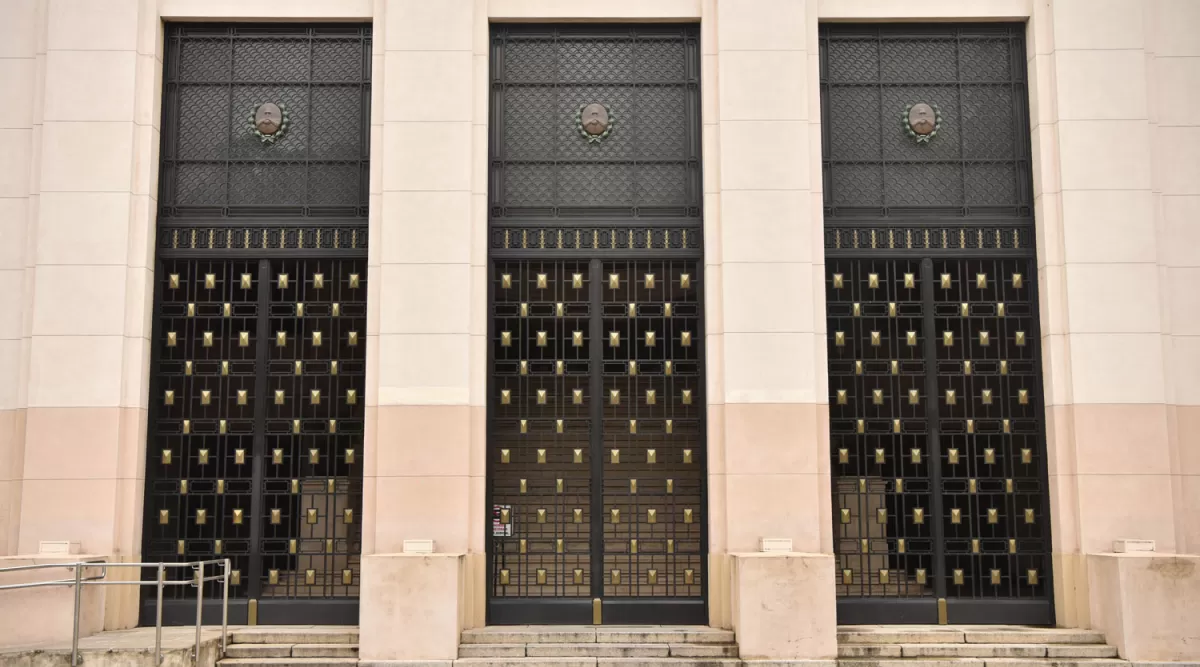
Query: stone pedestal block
point(783, 606)
point(45, 614)
point(1147, 604)
point(410, 606)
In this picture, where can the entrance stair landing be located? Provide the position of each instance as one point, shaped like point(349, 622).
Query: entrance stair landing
point(972, 646)
point(598, 646)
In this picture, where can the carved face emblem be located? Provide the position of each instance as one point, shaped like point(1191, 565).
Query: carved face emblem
point(268, 118)
point(922, 119)
point(595, 119)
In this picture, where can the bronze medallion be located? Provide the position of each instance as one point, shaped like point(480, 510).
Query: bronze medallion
point(594, 121)
point(921, 121)
point(269, 122)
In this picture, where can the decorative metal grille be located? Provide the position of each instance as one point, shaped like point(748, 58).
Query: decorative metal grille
point(596, 446)
point(936, 432)
point(256, 438)
point(541, 480)
point(936, 425)
point(596, 434)
point(652, 405)
point(213, 165)
point(647, 76)
point(975, 168)
point(256, 412)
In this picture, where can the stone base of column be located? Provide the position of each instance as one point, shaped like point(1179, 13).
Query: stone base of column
point(1147, 604)
point(783, 606)
point(411, 607)
point(44, 615)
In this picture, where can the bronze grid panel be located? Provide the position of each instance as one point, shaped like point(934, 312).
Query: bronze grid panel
point(989, 445)
point(331, 425)
point(671, 545)
point(189, 454)
point(864, 486)
point(204, 457)
point(988, 423)
point(540, 539)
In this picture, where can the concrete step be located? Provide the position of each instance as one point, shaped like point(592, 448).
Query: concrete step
point(325, 651)
point(980, 662)
point(1056, 651)
point(950, 634)
point(597, 662)
point(292, 650)
point(559, 634)
point(259, 651)
point(598, 650)
point(275, 662)
point(295, 635)
point(976, 651)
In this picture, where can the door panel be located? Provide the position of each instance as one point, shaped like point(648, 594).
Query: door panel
point(256, 432)
point(653, 430)
point(939, 491)
point(541, 425)
point(596, 443)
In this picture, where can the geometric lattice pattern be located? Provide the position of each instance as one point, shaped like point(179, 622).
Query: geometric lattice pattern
point(977, 165)
point(936, 436)
point(213, 165)
point(596, 446)
point(647, 167)
point(257, 423)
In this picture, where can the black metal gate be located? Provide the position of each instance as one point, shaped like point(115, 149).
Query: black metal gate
point(255, 441)
point(936, 406)
point(596, 387)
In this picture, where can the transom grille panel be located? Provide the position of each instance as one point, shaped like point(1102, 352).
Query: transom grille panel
point(214, 166)
point(647, 77)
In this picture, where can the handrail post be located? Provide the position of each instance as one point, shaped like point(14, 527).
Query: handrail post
point(199, 605)
point(225, 609)
point(162, 573)
point(75, 623)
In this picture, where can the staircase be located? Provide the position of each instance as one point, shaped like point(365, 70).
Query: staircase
point(597, 646)
point(972, 646)
point(311, 645)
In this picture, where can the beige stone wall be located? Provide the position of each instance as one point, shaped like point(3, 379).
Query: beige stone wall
point(1116, 131)
point(22, 62)
point(1173, 84)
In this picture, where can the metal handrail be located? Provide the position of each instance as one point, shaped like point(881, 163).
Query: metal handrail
point(79, 581)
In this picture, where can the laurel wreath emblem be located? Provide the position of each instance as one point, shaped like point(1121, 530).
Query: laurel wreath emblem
point(937, 123)
point(283, 124)
point(593, 139)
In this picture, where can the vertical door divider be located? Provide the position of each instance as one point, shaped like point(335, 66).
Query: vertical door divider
point(261, 363)
point(596, 434)
point(931, 417)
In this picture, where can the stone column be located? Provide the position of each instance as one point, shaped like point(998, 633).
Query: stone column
point(89, 349)
point(768, 418)
point(22, 63)
point(1105, 290)
point(420, 463)
point(1173, 68)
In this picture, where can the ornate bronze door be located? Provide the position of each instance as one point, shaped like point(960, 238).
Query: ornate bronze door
point(596, 388)
point(935, 389)
point(255, 438)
